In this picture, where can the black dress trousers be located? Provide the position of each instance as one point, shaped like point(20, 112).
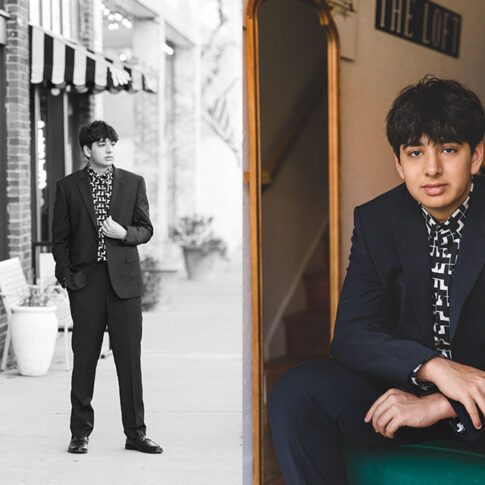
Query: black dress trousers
point(93, 308)
point(318, 407)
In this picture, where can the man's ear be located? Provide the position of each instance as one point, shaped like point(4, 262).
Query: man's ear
point(87, 151)
point(477, 158)
point(398, 167)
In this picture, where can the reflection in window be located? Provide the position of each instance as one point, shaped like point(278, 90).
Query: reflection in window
point(58, 16)
point(41, 169)
point(66, 18)
point(46, 14)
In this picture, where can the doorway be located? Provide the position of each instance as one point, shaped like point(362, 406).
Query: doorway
point(57, 115)
point(292, 58)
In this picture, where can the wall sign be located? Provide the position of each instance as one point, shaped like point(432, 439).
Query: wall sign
point(421, 21)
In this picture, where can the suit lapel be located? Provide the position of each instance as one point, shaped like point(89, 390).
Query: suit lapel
point(411, 237)
point(471, 256)
point(85, 189)
point(116, 201)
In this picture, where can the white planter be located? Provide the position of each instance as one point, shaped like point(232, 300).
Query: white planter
point(199, 265)
point(34, 332)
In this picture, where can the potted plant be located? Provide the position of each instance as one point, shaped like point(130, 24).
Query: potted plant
point(200, 246)
point(34, 330)
point(158, 284)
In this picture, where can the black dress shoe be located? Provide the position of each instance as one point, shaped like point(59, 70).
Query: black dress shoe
point(142, 444)
point(78, 444)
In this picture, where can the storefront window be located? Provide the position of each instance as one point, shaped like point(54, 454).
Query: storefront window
point(41, 172)
point(34, 12)
point(58, 16)
point(46, 15)
point(67, 14)
point(56, 21)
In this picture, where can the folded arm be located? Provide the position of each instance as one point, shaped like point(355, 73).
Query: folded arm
point(464, 386)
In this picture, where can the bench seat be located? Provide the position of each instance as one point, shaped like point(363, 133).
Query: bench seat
point(445, 462)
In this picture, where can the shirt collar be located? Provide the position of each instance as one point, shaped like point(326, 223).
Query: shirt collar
point(106, 175)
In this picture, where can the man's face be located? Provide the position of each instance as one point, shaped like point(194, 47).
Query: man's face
point(101, 154)
point(439, 175)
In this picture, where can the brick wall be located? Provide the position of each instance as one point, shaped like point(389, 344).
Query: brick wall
point(147, 158)
point(17, 109)
point(18, 133)
point(181, 176)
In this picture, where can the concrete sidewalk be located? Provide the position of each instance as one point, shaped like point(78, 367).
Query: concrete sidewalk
point(192, 375)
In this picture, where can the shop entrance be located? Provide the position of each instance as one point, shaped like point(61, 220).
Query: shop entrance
point(57, 116)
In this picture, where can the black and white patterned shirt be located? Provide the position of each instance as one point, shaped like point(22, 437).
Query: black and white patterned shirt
point(101, 188)
point(444, 244)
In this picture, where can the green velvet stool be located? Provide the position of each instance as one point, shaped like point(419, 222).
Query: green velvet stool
point(433, 462)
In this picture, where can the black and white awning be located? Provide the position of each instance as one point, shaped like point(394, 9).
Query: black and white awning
point(57, 62)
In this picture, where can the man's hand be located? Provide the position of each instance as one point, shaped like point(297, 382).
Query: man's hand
point(112, 229)
point(459, 382)
point(397, 408)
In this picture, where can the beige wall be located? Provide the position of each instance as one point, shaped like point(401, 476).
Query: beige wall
point(383, 66)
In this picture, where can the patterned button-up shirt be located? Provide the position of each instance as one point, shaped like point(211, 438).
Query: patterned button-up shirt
point(444, 243)
point(101, 188)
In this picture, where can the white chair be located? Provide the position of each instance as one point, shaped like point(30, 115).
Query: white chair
point(12, 285)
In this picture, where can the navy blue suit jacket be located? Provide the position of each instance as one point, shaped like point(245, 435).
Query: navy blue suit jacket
point(384, 320)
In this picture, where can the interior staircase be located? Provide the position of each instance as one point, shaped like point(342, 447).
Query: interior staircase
point(307, 337)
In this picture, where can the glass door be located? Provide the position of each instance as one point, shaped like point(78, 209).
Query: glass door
point(49, 146)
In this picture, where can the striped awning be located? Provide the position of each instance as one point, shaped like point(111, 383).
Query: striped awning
point(57, 62)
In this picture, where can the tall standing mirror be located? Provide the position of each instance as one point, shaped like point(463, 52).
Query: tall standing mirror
point(293, 163)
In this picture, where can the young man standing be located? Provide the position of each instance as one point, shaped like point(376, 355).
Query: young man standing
point(409, 347)
point(100, 216)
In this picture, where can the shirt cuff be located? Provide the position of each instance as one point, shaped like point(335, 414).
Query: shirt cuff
point(422, 385)
point(457, 426)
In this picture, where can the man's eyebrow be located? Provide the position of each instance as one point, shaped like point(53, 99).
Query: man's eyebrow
point(407, 145)
point(421, 144)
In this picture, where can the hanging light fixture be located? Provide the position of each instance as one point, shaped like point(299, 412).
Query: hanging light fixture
point(116, 16)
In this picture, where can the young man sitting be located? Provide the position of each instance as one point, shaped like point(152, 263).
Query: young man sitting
point(408, 351)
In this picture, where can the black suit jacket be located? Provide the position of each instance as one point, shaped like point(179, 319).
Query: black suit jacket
point(75, 235)
point(384, 319)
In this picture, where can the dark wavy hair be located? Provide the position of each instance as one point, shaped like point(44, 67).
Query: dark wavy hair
point(96, 131)
point(441, 109)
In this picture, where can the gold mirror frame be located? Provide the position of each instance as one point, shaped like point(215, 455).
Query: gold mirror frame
point(254, 178)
